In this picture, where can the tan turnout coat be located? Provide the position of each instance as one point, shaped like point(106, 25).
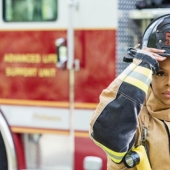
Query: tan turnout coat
point(154, 116)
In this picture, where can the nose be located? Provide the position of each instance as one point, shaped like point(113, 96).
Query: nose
point(168, 81)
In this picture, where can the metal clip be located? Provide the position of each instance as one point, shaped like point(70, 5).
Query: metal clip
point(143, 135)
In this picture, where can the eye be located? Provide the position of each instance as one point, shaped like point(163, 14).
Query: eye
point(160, 73)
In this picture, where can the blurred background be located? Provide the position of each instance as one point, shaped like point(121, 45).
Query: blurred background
point(56, 56)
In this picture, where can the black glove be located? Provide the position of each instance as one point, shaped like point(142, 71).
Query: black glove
point(144, 56)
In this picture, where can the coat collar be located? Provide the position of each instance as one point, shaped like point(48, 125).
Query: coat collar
point(156, 108)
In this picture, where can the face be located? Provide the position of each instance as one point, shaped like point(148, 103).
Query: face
point(161, 82)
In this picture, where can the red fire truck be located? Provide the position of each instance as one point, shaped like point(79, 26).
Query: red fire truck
point(56, 56)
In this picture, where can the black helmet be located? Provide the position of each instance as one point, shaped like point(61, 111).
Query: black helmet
point(157, 34)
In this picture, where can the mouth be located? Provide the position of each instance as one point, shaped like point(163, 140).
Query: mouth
point(166, 94)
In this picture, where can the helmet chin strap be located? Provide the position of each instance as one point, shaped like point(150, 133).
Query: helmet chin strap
point(164, 54)
point(148, 32)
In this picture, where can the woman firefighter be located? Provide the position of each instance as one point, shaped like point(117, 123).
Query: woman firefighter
point(132, 120)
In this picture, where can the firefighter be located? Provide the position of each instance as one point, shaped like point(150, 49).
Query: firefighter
point(132, 120)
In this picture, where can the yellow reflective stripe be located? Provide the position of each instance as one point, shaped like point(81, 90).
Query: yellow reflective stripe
point(122, 76)
point(143, 70)
point(131, 76)
point(127, 71)
point(137, 83)
point(132, 66)
point(115, 156)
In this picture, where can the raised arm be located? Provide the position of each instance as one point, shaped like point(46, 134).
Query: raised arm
point(115, 120)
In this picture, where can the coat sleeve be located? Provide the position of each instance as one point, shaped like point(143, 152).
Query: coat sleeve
point(115, 120)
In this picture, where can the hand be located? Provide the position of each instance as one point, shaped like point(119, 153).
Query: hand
point(153, 52)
